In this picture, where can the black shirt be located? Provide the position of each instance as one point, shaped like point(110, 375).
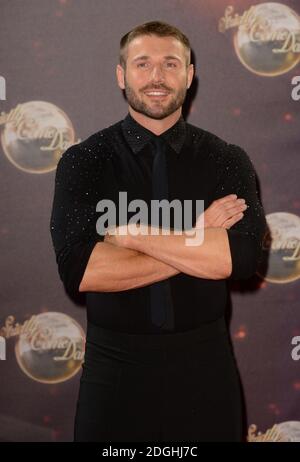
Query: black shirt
point(119, 158)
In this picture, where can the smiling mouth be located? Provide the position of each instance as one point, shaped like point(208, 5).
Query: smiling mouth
point(156, 94)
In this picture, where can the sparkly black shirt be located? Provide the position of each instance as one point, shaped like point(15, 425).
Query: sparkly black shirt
point(119, 158)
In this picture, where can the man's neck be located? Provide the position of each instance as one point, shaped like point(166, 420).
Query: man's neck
point(154, 125)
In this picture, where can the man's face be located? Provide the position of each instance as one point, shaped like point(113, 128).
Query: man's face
point(155, 64)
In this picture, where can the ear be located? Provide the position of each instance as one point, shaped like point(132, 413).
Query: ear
point(190, 75)
point(120, 76)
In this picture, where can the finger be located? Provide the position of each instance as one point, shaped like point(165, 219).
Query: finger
point(228, 198)
point(219, 216)
point(211, 220)
point(233, 210)
point(223, 209)
point(228, 223)
point(230, 204)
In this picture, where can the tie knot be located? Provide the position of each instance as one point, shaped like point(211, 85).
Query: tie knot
point(158, 144)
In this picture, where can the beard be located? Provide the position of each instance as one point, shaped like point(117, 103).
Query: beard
point(157, 110)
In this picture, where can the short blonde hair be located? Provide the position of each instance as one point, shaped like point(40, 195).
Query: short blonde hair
point(159, 28)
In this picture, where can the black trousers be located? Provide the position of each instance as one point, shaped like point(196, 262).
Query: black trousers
point(165, 387)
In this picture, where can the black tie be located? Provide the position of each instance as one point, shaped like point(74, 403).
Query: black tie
point(162, 313)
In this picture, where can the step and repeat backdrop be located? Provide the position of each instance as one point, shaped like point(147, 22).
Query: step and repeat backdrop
point(57, 87)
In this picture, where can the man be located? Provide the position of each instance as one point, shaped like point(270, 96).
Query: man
point(158, 362)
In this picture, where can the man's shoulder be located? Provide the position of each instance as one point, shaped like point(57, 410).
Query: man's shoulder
point(98, 141)
point(205, 137)
point(215, 146)
point(92, 150)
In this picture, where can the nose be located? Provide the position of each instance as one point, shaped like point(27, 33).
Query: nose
point(157, 74)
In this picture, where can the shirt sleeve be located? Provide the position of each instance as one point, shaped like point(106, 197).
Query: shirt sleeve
point(73, 216)
point(246, 236)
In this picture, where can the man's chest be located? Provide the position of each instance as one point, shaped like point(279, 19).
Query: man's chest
point(191, 177)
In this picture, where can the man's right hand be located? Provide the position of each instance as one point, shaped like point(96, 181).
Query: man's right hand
point(223, 213)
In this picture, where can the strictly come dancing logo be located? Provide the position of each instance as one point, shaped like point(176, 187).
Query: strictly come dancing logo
point(281, 248)
point(49, 346)
point(35, 134)
point(266, 37)
point(283, 432)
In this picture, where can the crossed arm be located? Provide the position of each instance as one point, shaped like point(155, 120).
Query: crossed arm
point(130, 261)
point(91, 263)
point(123, 268)
point(134, 261)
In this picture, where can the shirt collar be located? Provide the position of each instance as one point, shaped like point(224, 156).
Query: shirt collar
point(138, 136)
